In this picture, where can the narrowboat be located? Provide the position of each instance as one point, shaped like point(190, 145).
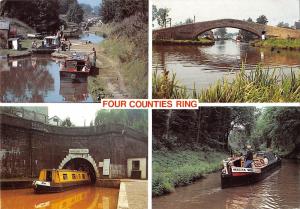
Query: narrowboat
point(49, 45)
point(75, 69)
point(58, 180)
point(235, 174)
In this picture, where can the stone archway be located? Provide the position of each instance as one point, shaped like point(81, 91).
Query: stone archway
point(86, 157)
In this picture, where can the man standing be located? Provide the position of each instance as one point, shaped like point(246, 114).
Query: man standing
point(248, 158)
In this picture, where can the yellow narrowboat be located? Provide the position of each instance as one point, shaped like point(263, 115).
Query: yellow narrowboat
point(58, 180)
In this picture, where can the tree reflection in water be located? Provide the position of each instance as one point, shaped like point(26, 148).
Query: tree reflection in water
point(25, 80)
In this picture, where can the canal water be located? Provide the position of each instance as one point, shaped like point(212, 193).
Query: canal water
point(36, 79)
point(93, 38)
point(204, 65)
point(86, 197)
point(279, 190)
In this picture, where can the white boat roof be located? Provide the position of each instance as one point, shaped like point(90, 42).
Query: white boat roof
point(51, 37)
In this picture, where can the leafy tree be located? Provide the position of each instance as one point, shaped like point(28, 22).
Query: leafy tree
point(75, 13)
point(283, 25)
point(64, 5)
point(118, 10)
point(221, 32)
point(135, 119)
point(67, 123)
point(154, 12)
point(162, 15)
point(87, 9)
point(42, 15)
point(189, 21)
point(247, 36)
point(262, 20)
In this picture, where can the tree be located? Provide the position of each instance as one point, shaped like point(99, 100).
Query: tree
point(247, 36)
point(262, 20)
point(87, 9)
point(118, 10)
point(75, 13)
point(162, 15)
point(65, 4)
point(189, 21)
point(41, 15)
point(283, 25)
point(67, 122)
point(154, 12)
point(221, 32)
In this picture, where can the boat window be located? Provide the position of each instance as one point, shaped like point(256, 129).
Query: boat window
point(65, 176)
point(135, 165)
point(83, 176)
point(73, 176)
point(49, 176)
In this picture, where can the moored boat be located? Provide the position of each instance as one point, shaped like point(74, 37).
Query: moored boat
point(235, 174)
point(58, 180)
point(75, 69)
point(49, 45)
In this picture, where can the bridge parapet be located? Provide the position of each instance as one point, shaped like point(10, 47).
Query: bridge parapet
point(192, 31)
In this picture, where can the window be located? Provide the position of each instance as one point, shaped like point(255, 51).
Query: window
point(65, 176)
point(48, 175)
point(73, 176)
point(83, 176)
point(135, 165)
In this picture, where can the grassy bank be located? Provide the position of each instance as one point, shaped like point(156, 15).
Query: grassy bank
point(259, 85)
point(172, 169)
point(201, 42)
point(292, 44)
point(126, 53)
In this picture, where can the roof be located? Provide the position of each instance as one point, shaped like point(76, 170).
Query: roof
point(13, 39)
point(4, 25)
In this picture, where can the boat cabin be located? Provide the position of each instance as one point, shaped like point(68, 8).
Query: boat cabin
point(57, 180)
point(51, 41)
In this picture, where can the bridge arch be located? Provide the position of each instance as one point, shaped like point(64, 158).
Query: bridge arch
point(193, 30)
point(83, 162)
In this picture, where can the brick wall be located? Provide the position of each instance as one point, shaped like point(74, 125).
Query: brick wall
point(27, 147)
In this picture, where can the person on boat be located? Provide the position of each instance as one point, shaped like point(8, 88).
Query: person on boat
point(34, 44)
point(248, 158)
point(94, 57)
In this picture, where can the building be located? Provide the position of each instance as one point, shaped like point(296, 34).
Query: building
point(4, 34)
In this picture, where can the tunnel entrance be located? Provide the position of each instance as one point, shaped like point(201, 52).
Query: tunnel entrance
point(81, 164)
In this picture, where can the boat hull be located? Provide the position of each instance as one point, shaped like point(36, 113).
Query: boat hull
point(228, 180)
point(54, 188)
point(73, 77)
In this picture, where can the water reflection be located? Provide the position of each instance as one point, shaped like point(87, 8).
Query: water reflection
point(204, 65)
point(93, 38)
point(280, 190)
point(87, 197)
point(36, 79)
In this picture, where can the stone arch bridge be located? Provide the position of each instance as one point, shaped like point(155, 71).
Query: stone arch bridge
point(29, 146)
point(192, 31)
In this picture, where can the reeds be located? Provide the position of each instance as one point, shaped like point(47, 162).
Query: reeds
point(257, 85)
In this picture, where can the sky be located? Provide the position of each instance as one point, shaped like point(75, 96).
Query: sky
point(204, 10)
point(78, 113)
point(91, 2)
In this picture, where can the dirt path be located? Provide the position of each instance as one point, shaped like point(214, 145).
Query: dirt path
point(109, 76)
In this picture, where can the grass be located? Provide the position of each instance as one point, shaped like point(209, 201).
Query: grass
point(293, 44)
point(201, 41)
point(128, 56)
point(172, 169)
point(259, 85)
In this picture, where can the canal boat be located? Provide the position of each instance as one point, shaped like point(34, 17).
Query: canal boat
point(49, 45)
point(58, 180)
point(234, 173)
point(75, 69)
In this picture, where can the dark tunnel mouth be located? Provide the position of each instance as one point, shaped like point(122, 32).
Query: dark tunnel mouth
point(82, 164)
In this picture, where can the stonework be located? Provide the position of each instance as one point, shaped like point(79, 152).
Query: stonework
point(29, 146)
point(192, 31)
